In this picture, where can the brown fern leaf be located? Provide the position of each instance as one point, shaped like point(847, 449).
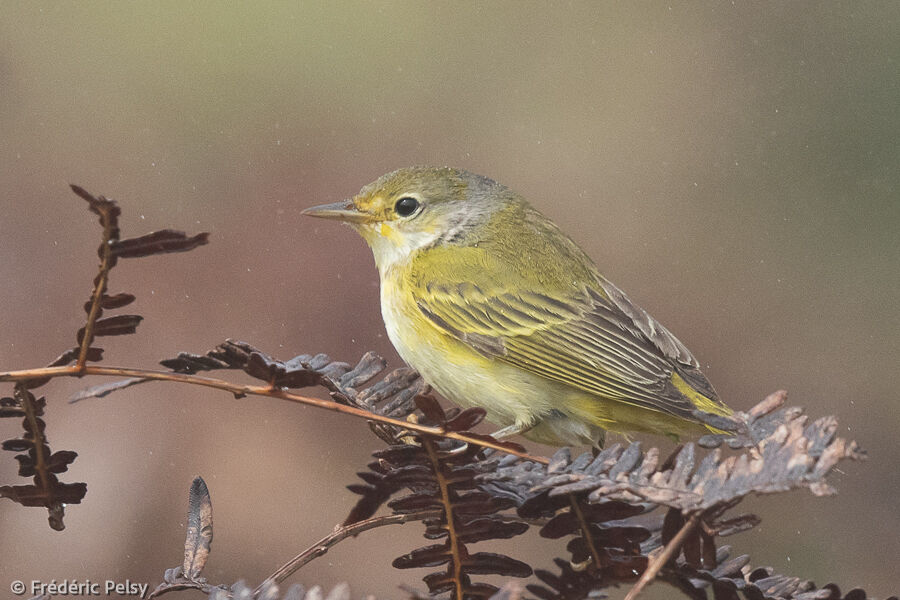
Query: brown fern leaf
point(786, 451)
point(196, 551)
point(440, 475)
point(111, 248)
point(794, 454)
point(734, 579)
point(391, 396)
point(37, 461)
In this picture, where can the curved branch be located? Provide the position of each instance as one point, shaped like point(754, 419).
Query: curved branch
point(341, 533)
point(257, 390)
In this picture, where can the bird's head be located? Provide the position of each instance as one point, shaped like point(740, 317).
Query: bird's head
point(417, 207)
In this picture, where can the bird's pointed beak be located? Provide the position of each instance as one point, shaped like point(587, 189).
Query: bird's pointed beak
point(339, 211)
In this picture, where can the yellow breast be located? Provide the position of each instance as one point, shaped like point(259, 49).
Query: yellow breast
point(456, 371)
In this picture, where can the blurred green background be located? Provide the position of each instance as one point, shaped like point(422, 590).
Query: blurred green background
point(733, 168)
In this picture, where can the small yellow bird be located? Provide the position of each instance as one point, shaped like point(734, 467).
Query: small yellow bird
point(498, 308)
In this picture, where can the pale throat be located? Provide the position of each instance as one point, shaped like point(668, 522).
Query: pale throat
point(392, 247)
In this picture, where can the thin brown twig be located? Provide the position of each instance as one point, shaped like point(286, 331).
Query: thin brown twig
point(257, 390)
point(100, 282)
point(585, 531)
point(341, 533)
point(663, 557)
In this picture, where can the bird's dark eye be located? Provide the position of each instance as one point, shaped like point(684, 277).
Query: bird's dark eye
point(406, 206)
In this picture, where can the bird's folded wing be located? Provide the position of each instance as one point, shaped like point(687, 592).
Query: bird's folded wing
point(594, 339)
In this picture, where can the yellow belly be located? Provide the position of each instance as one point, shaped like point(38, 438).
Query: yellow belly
point(455, 370)
point(559, 414)
point(509, 395)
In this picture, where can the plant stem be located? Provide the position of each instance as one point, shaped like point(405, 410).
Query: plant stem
point(339, 534)
point(663, 557)
point(585, 531)
point(456, 548)
point(100, 281)
point(256, 390)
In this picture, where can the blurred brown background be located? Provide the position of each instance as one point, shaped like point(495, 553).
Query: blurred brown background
point(735, 169)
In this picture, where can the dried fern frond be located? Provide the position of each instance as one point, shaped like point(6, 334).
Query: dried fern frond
point(392, 396)
point(788, 452)
point(111, 249)
point(37, 461)
point(795, 453)
point(439, 475)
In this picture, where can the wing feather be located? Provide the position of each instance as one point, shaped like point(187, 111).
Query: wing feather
point(563, 368)
point(595, 340)
point(588, 335)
